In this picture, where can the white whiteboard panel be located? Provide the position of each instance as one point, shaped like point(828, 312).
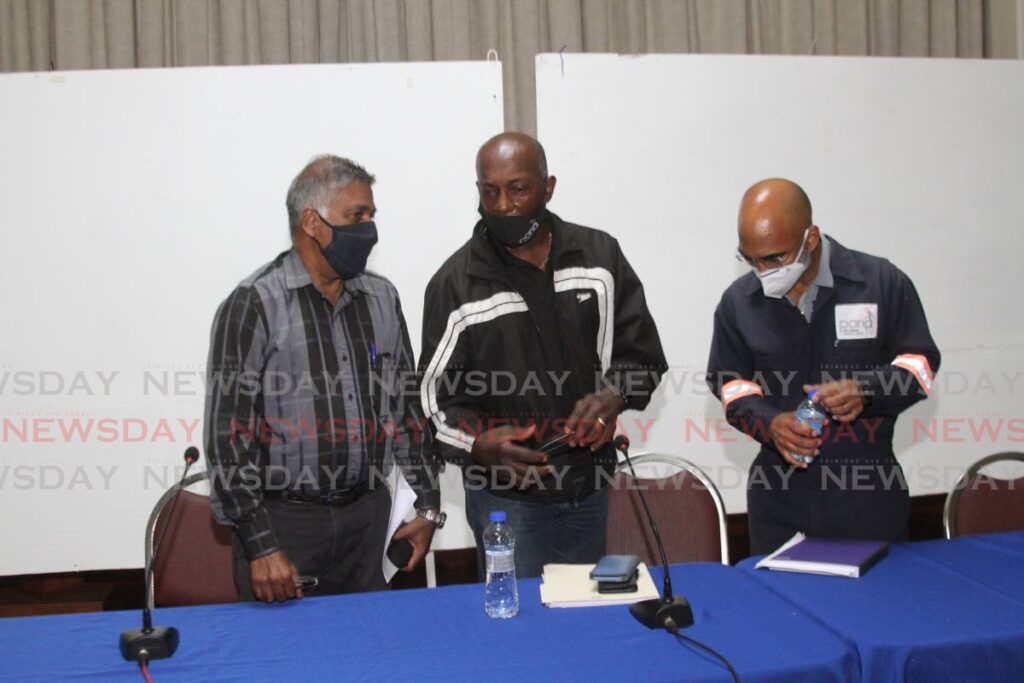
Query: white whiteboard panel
point(916, 160)
point(131, 203)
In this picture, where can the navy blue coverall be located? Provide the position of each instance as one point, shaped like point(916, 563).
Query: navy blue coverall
point(870, 326)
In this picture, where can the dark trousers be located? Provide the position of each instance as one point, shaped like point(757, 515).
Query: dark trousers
point(546, 532)
point(862, 496)
point(340, 546)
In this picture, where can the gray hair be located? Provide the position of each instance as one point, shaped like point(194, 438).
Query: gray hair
point(319, 182)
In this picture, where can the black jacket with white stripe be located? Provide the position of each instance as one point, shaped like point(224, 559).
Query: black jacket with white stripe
point(482, 359)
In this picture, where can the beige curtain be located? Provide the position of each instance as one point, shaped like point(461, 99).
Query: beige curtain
point(39, 35)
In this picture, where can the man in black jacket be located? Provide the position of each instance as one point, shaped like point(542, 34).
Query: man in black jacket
point(536, 336)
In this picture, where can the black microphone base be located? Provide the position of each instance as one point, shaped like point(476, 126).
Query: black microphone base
point(669, 614)
point(158, 643)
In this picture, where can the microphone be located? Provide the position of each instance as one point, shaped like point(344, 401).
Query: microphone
point(669, 612)
point(148, 643)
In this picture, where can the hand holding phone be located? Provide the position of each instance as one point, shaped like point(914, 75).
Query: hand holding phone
point(400, 552)
point(307, 583)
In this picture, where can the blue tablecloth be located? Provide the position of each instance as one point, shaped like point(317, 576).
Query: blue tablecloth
point(935, 611)
point(443, 634)
point(995, 560)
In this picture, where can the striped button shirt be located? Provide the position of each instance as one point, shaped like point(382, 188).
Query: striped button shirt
point(309, 397)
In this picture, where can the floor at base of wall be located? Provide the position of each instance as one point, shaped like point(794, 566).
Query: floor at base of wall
point(122, 589)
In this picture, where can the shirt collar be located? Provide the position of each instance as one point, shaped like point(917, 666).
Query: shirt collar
point(824, 278)
point(843, 264)
point(360, 284)
point(295, 273)
point(296, 276)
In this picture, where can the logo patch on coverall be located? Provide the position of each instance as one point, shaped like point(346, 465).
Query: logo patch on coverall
point(857, 321)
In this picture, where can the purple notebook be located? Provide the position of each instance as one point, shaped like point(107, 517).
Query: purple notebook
point(836, 556)
point(849, 551)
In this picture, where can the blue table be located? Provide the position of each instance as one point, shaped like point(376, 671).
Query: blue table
point(945, 610)
point(995, 560)
point(443, 634)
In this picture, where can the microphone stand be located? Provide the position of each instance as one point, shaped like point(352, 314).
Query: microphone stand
point(669, 612)
point(161, 642)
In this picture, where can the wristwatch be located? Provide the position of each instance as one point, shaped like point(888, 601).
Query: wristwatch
point(435, 517)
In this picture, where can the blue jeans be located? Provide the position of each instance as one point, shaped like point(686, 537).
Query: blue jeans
point(546, 533)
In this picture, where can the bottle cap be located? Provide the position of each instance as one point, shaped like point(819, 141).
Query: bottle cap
point(812, 393)
point(498, 516)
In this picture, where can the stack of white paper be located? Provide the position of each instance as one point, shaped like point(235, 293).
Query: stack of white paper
point(402, 500)
point(570, 585)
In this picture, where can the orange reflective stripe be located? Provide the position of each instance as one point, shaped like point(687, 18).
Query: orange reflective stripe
point(918, 366)
point(738, 388)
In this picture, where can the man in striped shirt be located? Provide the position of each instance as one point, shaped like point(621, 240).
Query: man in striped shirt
point(306, 411)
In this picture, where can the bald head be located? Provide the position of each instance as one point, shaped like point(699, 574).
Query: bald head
point(517, 150)
point(512, 176)
point(774, 208)
point(774, 214)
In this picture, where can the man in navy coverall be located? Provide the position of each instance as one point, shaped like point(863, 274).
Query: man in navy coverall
point(813, 314)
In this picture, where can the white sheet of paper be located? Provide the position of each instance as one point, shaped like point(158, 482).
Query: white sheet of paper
point(570, 585)
point(402, 500)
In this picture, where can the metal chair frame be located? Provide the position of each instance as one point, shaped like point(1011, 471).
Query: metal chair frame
point(685, 465)
point(151, 528)
point(952, 506)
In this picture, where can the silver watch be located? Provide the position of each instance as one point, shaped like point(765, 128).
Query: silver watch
point(435, 517)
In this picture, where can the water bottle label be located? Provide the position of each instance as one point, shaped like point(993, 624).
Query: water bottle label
point(810, 414)
point(501, 561)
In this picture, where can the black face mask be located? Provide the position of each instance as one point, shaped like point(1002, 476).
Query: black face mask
point(349, 248)
point(514, 231)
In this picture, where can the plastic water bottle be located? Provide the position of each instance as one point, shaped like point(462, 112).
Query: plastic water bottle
point(502, 597)
point(812, 414)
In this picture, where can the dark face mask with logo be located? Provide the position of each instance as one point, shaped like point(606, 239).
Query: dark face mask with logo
point(349, 248)
point(514, 231)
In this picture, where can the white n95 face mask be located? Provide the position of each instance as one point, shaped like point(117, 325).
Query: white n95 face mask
point(778, 281)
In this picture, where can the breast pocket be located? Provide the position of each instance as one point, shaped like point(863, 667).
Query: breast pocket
point(852, 355)
point(385, 397)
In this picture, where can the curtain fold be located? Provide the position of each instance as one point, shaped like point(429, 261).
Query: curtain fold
point(40, 35)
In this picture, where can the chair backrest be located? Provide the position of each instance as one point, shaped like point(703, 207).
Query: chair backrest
point(686, 505)
point(194, 565)
point(981, 504)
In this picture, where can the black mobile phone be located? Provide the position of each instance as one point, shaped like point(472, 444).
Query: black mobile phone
point(618, 587)
point(307, 583)
point(400, 552)
point(615, 568)
point(555, 445)
point(616, 574)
